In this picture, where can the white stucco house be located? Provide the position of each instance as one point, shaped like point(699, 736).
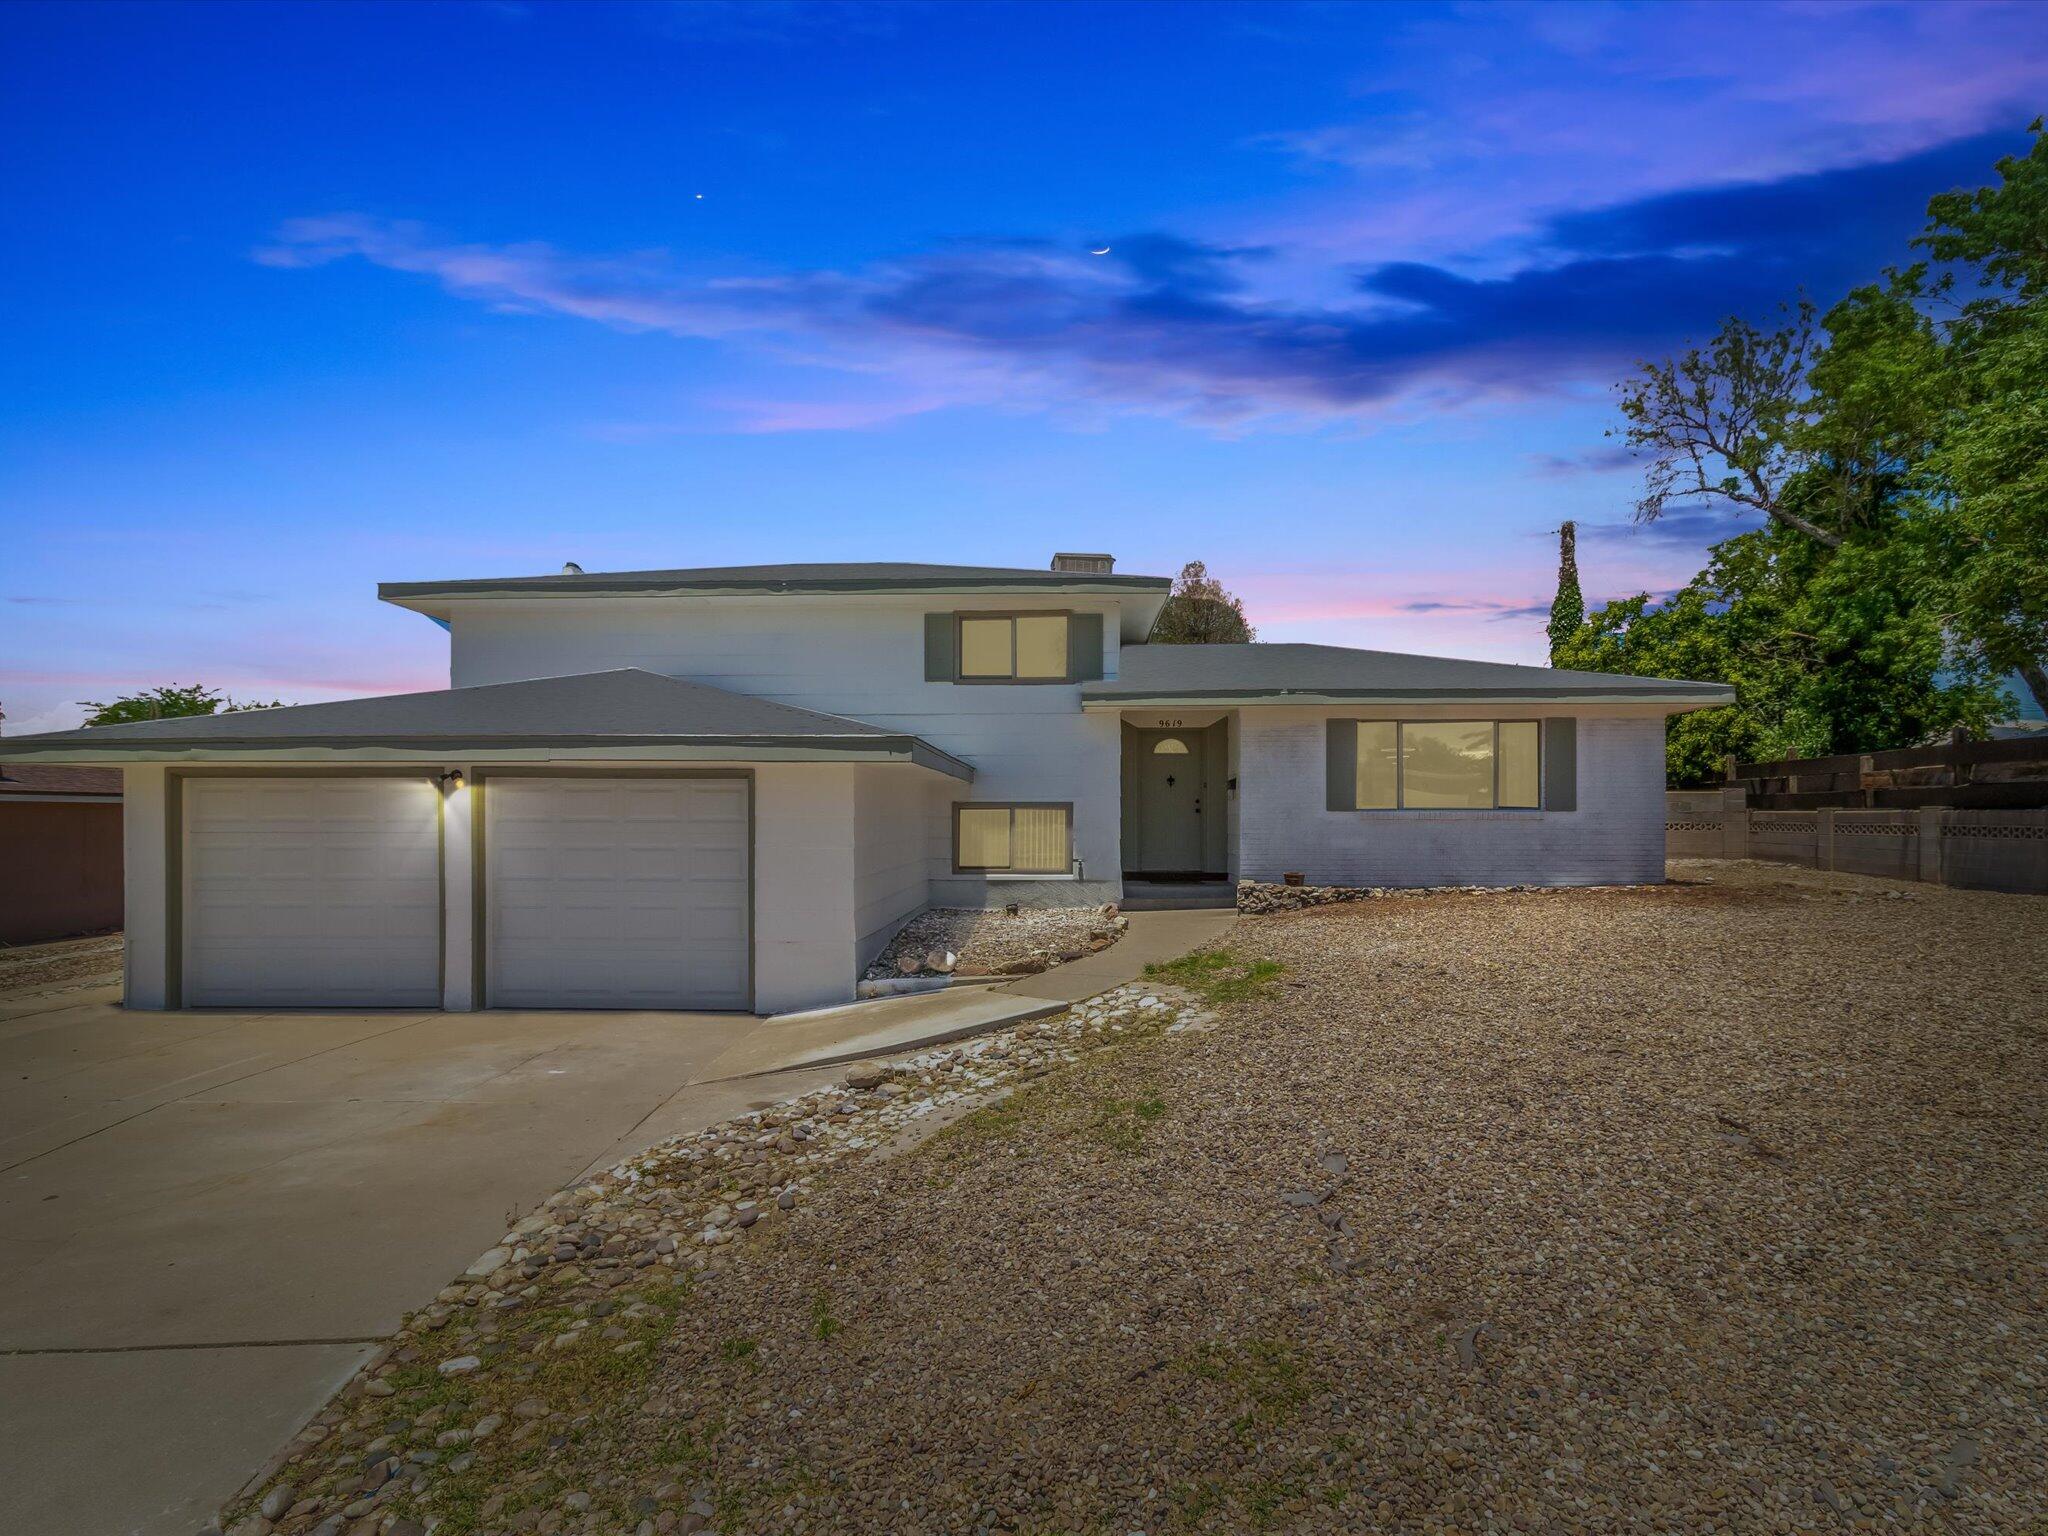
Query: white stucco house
point(726, 788)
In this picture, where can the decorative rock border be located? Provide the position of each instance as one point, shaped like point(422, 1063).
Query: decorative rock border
point(1255, 897)
point(598, 1270)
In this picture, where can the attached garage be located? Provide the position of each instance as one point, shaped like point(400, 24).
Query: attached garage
point(322, 892)
point(608, 840)
point(629, 892)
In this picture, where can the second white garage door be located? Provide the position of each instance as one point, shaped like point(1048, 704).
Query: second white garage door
point(616, 893)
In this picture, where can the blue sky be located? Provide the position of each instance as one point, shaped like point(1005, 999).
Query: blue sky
point(301, 298)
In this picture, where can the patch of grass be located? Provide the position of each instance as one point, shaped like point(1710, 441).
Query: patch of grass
point(823, 1323)
point(1217, 975)
point(1120, 1123)
point(591, 1371)
point(737, 1348)
point(992, 1122)
point(1270, 1374)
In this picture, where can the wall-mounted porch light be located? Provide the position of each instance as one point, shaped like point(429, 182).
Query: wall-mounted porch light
point(450, 781)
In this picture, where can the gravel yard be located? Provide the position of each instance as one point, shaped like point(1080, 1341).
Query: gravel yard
point(90, 961)
point(996, 943)
point(1721, 1206)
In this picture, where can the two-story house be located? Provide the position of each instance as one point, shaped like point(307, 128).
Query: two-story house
point(726, 788)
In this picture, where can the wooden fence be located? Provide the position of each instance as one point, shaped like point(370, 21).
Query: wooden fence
point(1956, 774)
point(1994, 850)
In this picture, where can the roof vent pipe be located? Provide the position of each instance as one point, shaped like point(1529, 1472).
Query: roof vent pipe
point(571, 568)
point(1084, 565)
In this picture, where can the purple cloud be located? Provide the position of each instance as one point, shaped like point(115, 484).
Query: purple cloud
point(1181, 327)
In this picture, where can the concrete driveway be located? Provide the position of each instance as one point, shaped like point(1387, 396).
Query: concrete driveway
point(208, 1218)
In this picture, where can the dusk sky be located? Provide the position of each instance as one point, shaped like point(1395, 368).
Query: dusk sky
point(302, 298)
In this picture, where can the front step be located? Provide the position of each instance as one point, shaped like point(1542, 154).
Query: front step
point(1177, 895)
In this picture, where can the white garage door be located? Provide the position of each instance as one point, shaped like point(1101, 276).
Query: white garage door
point(616, 893)
point(312, 892)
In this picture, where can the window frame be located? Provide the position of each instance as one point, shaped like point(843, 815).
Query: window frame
point(1011, 871)
point(1400, 805)
point(976, 680)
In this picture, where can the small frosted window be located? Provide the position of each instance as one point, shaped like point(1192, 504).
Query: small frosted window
point(1015, 839)
point(1171, 746)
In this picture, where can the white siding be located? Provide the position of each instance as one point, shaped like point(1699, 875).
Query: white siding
point(145, 889)
point(862, 658)
point(898, 812)
point(804, 927)
point(1616, 836)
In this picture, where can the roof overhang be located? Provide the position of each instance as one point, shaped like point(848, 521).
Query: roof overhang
point(1141, 597)
point(1670, 703)
point(553, 749)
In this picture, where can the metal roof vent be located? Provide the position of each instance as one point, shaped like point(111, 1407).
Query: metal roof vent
point(1084, 565)
point(571, 568)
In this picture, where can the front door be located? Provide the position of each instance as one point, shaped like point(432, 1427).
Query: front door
point(1170, 801)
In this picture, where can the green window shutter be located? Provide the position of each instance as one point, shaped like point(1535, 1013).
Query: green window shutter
point(938, 648)
point(1084, 646)
point(1340, 766)
point(1560, 765)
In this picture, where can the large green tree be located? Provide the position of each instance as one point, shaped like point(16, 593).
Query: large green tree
point(1897, 446)
point(1826, 649)
point(1985, 481)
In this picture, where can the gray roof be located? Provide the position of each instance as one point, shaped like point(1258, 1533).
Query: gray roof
point(1308, 673)
point(858, 576)
point(624, 708)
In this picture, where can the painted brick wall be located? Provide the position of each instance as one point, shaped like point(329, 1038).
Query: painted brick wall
point(1616, 836)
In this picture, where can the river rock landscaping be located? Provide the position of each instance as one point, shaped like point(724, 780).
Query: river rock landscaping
point(1711, 1207)
point(995, 942)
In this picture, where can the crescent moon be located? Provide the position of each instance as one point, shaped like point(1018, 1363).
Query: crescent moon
point(1103, 252)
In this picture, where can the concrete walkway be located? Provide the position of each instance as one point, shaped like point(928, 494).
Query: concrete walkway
point(210, 1218)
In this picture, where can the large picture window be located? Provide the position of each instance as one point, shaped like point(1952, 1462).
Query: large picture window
point(1013, 648)
point(1434, 765)
point(1013, 839)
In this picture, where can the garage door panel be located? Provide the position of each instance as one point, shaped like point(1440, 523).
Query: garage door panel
point(316, 892)
point(616, 893)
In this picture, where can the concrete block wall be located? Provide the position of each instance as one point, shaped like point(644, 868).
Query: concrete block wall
point(1615, 836)
point(1977, 850)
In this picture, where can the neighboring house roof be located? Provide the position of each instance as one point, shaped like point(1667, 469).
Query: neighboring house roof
point(858, 576)
point(592, 713)
point(1307, 674)
point(39, 779)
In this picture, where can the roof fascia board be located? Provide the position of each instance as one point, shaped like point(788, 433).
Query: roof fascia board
point(1240, 698)
point(865, 749)
point(410, 594)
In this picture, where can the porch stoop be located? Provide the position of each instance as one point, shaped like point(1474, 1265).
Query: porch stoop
point(1177, 895)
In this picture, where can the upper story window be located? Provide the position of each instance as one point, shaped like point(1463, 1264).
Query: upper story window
point(1013, 648)
point(1470, 765)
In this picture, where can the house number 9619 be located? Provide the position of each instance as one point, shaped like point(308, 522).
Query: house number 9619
point(1166, 724)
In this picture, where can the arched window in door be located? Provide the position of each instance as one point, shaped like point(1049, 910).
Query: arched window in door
point(1169, 746)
